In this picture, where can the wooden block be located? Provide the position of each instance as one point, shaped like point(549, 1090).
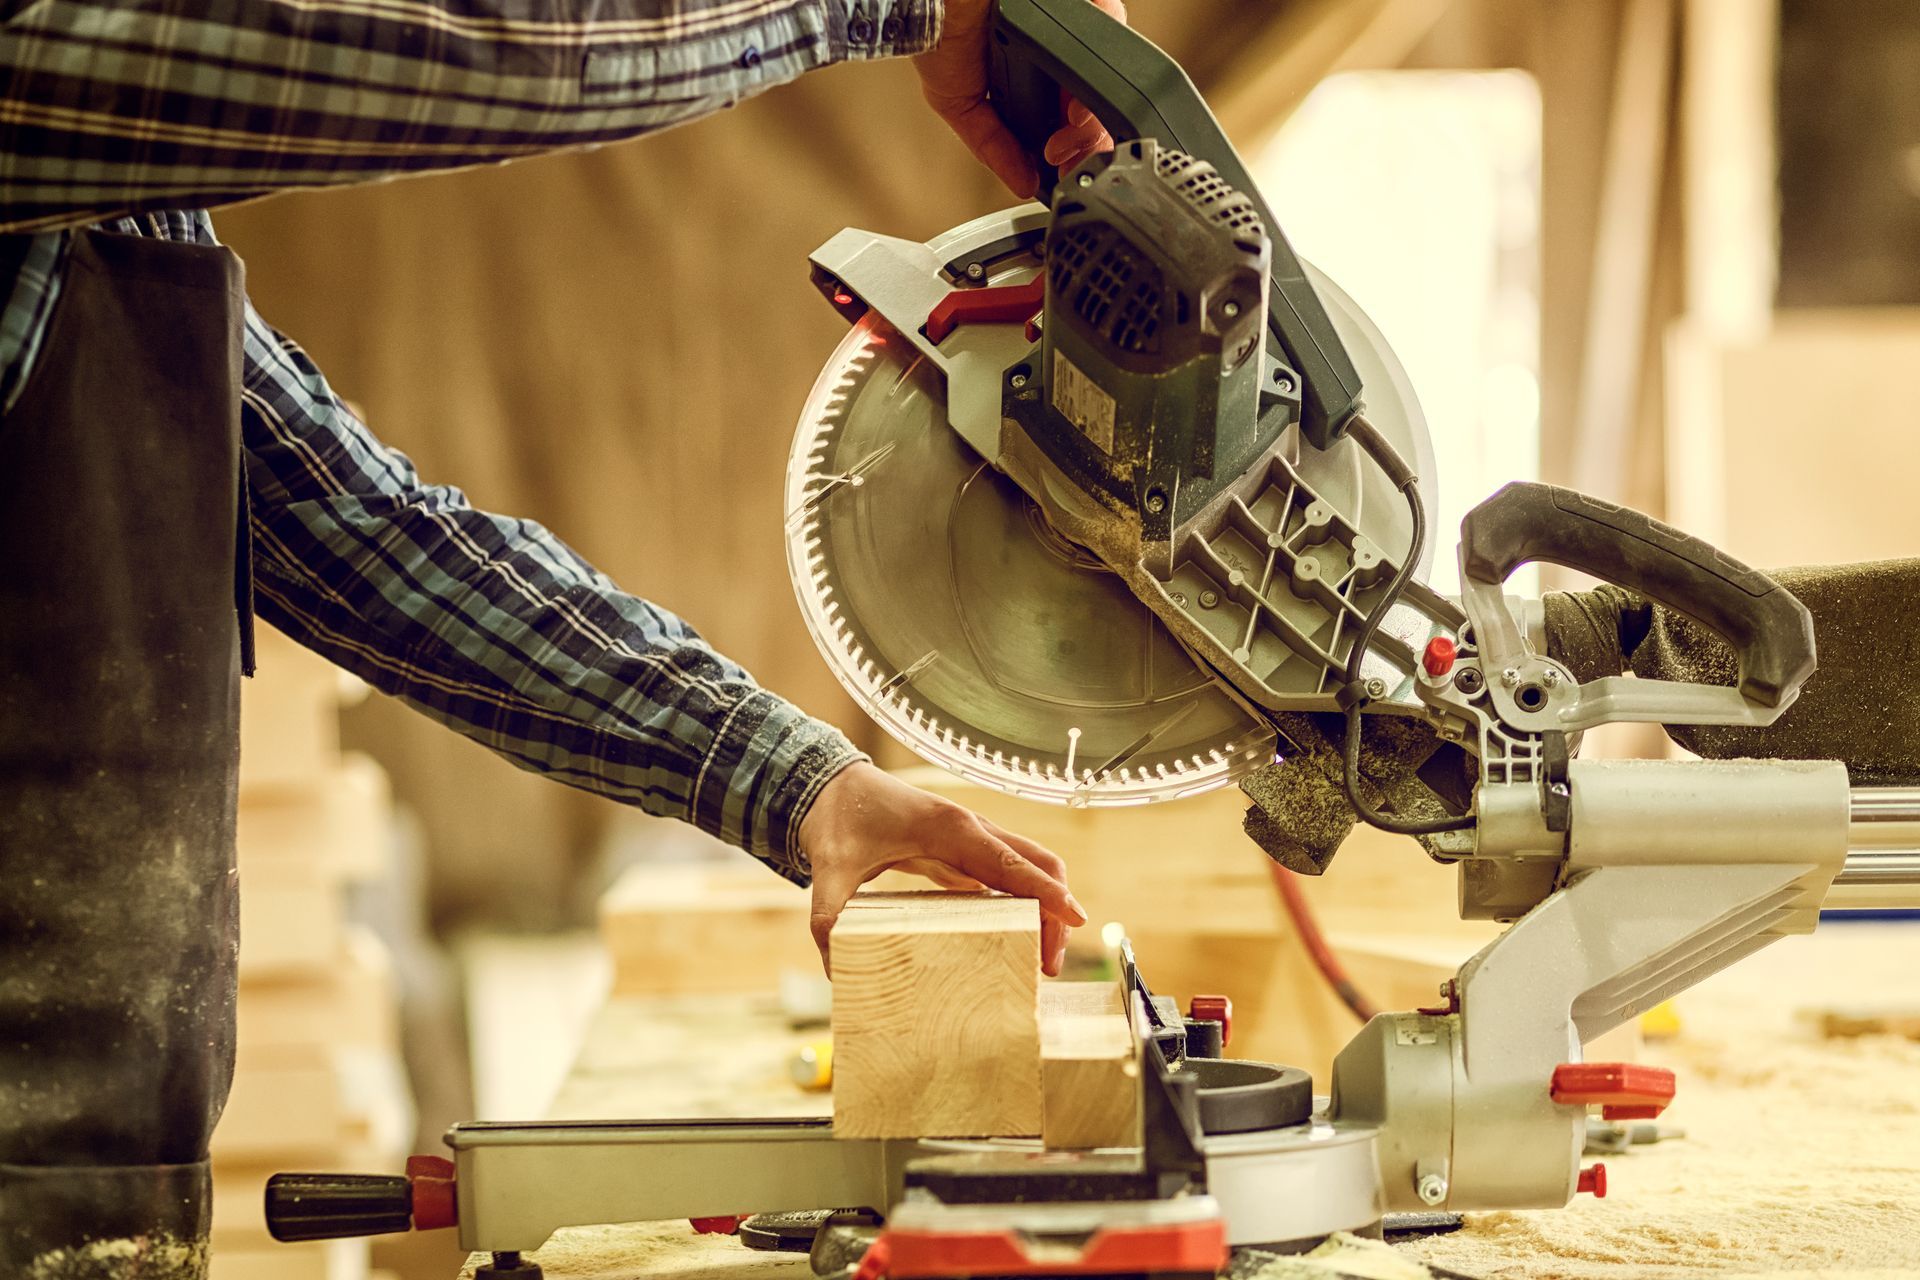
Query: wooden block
point(292, 919)
point(704, 928)
point(297, 1106)
point(283, 1109)
point(342, 818)
point(936, 1027)
point(353, 1003)
point(289, 717)
point(1089, 1069)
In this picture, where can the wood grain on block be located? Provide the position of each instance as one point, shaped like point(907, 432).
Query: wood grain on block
point(342, 818)
point(292, 919)
point(936, 1016)
point(1089, 1069)
point(354, 1002)
point(704, 928)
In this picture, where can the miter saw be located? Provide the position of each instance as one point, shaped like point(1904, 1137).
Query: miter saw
point(1114, 500)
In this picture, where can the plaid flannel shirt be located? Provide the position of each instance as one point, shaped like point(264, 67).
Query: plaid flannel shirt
point(138, 116)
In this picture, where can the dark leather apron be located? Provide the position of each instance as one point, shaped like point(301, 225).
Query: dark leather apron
point(119, 698)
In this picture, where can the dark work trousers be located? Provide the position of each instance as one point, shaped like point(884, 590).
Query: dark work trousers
point(119, 697)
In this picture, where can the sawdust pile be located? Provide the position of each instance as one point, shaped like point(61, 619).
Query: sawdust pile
point(1342, 1257)
point(1802, 1156)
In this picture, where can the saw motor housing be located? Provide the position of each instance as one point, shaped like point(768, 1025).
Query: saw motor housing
point(1156, 304)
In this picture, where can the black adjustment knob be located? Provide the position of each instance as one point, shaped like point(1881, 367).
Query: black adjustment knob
point(328, 1206)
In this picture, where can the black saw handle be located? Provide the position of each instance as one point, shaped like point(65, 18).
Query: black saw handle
point(329, 1206)
point(1039, 48)
point(1768, 627)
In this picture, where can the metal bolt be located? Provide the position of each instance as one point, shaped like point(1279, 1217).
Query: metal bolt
point(1560, 789)
point(1510, 677)
point(1086, 179)
point(1018, 380)
point(1156, 503)
point(1432, 1188)
point(1283, 384)
point(1209, 598)
point(1179, 597)
point(976, 271)
point(1230, 309)
point(1467, 680)
point(1550, 677)
point(1376, 687)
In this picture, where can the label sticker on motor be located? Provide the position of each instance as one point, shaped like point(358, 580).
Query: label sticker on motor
point(1081, 401)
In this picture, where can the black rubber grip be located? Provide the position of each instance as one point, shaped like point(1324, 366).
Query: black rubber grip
point(329, 1206)
point(1040, 48)
point(1769, 628)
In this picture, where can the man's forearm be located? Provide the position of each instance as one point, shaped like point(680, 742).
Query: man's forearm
point(116, 109)
point(497, 629)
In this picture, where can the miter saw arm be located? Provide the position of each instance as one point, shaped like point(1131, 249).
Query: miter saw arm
point(1145, 538)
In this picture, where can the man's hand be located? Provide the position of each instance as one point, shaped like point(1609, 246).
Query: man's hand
point(954, 79)
point(865, 821)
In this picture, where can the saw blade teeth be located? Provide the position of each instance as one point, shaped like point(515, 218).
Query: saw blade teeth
point(854, 415)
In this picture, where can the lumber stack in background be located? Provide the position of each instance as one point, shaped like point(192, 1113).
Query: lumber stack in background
point(318, 1083)
point(705, 928)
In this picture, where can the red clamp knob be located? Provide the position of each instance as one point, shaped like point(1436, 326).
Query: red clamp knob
point(1438, 659)
point(1622, 1090)
point(434, 1202)
point(1593, 1182)
point(724, 1225)
point(1213, 1009)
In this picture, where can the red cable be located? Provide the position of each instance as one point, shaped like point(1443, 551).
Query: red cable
point(1295, 900)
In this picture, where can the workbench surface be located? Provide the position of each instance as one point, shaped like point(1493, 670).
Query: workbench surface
point(1802, 1156)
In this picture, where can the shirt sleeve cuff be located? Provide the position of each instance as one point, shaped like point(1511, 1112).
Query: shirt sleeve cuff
point(860, 30)
point(805, 755)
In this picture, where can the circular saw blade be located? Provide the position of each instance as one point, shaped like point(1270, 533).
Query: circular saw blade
point(965, 626)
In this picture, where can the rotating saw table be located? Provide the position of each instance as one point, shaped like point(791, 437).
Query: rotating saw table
point(1801, 1155)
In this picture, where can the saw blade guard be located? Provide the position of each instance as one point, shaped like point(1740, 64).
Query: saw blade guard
point(948, 605)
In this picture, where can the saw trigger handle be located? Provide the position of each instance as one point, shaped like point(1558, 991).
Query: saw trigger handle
point(1767, 626)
